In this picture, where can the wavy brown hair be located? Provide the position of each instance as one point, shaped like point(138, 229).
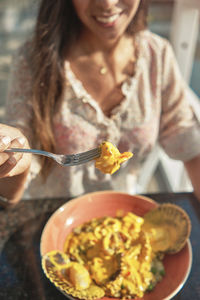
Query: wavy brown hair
point(57, 29)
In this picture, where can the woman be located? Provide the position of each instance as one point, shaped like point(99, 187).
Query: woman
point(93, 72)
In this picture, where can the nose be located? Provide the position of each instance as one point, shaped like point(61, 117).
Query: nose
point(107, 3)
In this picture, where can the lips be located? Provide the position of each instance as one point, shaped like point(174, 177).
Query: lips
point(107, 19)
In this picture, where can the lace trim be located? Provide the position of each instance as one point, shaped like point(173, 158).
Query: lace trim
point(127, 87)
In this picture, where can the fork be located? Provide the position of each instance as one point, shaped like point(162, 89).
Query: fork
point(64, 159)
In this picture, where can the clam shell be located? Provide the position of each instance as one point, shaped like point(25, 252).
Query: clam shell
point(170, 227)
point(54, 265)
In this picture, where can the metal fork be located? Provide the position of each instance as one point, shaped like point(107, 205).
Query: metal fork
point(63, 159)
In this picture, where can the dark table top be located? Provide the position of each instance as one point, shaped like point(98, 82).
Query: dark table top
point(21, 275)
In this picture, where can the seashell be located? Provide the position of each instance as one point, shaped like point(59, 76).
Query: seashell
point(168, 226)
point(65, 275)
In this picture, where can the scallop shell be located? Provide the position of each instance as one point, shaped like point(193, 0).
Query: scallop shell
point(169, 227)
point(55, 264)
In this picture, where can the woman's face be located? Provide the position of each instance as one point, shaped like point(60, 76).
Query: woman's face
point(106, 20)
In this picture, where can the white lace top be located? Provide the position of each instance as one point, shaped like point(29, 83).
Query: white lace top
point(155, 109)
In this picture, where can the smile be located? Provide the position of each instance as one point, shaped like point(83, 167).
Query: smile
point(108, 19)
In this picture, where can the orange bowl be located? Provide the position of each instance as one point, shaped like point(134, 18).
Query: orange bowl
point(106, 203)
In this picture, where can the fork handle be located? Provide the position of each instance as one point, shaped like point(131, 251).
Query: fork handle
point(34, 151)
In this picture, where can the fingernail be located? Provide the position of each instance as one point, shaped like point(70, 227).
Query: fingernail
point(6, 140)
point(21, 140)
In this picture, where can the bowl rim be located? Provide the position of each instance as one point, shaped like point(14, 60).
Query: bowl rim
point(180, 286)
point(77, 199)
point(146, 198)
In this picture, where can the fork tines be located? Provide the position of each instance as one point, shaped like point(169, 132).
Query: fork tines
point(89, 155)
point(80, 158)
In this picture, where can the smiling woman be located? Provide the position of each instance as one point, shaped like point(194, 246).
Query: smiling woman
point(93, 72)
point(105, 21)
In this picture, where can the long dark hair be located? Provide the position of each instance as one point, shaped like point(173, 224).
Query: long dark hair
point(57, 28)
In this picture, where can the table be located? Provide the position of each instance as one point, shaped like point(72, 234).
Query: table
point(21, 275)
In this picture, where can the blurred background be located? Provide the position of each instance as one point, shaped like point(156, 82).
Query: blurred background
point(176, 20)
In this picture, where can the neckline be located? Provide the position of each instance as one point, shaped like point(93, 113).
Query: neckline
point(127, 86)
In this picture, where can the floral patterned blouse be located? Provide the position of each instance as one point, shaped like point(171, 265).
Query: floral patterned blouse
point(155, 109)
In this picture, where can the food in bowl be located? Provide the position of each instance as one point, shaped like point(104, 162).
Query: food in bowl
point(115, 256)
point(110, 158)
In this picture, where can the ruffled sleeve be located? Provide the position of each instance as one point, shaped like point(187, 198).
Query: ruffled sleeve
point(18, 104)
point(179, 126)
point(18, 110)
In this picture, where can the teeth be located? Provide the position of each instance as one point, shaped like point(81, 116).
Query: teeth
point(108, 19)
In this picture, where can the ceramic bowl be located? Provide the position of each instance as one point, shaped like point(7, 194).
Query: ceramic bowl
point(106, 203)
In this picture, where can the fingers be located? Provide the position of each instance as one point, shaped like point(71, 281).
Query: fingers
point(9, 160)
point(4, 144)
